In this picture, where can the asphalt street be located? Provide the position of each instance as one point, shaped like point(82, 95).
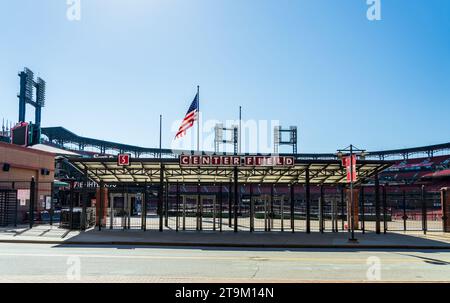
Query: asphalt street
point(68, 263)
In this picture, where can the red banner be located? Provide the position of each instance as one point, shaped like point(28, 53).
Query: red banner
point(348, 162)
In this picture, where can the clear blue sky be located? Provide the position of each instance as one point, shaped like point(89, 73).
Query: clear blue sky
point(318, 64)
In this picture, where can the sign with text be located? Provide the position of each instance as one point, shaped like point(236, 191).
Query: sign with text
point(23, 195)
point(123, 159)
point(188, 160)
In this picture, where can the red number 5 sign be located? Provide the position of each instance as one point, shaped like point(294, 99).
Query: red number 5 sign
point(123, 159)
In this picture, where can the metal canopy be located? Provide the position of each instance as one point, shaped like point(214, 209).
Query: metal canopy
point(149, 170)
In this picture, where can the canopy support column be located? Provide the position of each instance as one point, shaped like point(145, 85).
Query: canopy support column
point(85, 200)
point(377, 205)
point(252, 210)
point(292, 198)
point(72, 204)
point(100, 207)
point(220, 207)
point(321, 203)
point(363, 212)
point(197, 215)
point(236, 199)
point(308, 202)
point(166, 206)
point(229, 203)
point(177, 223)
point(342, 188)
point(144, 208)
point(424, 210)
point(405, 217)
point(161, 197)
point(271, 207)
point(385, 227)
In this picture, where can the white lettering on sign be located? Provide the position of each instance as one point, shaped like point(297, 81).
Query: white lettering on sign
point(186, 160)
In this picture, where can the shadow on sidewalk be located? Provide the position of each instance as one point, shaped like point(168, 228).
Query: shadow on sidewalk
point(258, 241)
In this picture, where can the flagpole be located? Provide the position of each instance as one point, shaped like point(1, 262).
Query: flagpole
point(240, 129)
point(160, 136)
point(198, 119)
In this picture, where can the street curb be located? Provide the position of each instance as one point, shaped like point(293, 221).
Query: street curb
point(229, 245)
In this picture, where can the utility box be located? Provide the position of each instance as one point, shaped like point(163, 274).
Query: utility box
point(76, 218)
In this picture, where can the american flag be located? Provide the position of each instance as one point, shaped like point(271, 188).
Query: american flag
point(188, 121)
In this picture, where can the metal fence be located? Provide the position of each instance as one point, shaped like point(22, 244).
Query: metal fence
point(31, 202)
point(192, 209)
point(403, 210)
point(182, 207)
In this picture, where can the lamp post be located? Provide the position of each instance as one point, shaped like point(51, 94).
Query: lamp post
point(350, 150)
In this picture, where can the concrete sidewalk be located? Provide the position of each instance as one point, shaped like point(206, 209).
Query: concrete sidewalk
point(54, 235)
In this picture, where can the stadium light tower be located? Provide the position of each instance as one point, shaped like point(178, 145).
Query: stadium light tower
point(278, 140)
point(351, 152)
point(219, 132)
point(27, 89)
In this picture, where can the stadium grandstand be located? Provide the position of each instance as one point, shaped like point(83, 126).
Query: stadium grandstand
point(63, 138)
point(429, 165)
point(430, 171)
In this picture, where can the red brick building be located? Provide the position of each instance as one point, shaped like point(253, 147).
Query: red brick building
point(18, 165)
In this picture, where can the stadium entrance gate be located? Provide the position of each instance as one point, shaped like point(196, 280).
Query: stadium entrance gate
point(193, 212)
point(165, 194)
point(8, 207)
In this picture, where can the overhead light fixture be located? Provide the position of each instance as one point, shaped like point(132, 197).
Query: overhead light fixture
point(40, 92)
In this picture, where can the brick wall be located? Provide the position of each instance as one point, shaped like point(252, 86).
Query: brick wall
point(26, 163)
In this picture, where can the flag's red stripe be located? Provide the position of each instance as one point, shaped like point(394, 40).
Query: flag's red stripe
point(187, 123)
point(184, 127)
